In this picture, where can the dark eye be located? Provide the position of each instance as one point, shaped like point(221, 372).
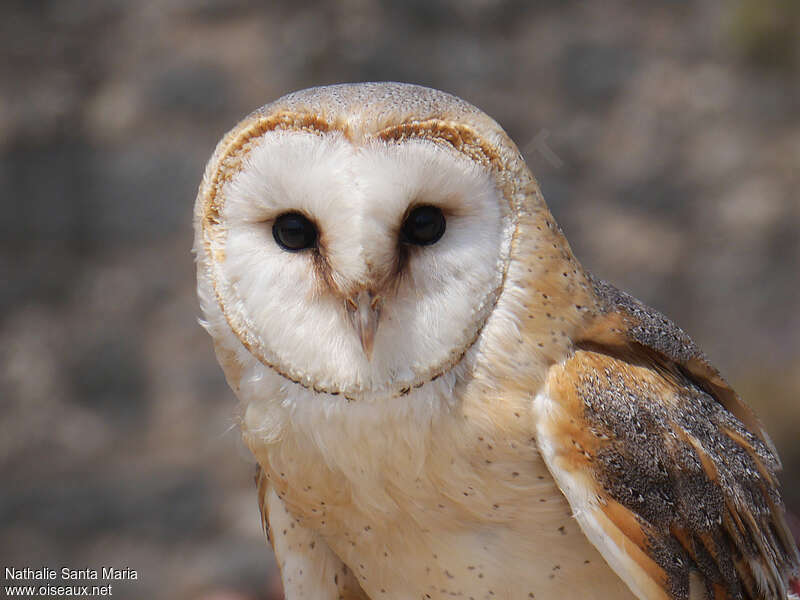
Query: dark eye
point(292, 231)
point(423, 226)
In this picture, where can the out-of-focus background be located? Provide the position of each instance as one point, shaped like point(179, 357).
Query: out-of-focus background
point(665, 135)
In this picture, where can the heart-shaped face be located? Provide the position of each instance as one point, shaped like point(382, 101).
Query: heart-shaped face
point(356, 265)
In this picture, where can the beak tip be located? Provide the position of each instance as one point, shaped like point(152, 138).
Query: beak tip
point(367, 352)
point(365, 314)
point(367, 338)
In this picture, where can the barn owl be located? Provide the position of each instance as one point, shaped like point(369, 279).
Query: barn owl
point(442, 402)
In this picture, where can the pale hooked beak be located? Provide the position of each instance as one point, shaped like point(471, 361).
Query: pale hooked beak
point(365, 313)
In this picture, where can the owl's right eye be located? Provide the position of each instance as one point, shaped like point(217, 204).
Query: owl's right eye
point(294, 232)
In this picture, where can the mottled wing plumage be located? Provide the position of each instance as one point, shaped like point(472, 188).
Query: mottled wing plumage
point(668, 472)
point(626, 327)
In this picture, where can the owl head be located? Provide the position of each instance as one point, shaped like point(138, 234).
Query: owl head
point(355, 239)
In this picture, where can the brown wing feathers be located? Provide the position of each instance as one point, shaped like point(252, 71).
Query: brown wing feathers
point(638, 330)
point(671, 443)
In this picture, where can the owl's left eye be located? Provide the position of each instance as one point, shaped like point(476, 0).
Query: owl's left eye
point(294, 232)
point(423, 226)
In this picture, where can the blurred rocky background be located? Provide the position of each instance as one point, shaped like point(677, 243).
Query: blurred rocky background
point(665, 134)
